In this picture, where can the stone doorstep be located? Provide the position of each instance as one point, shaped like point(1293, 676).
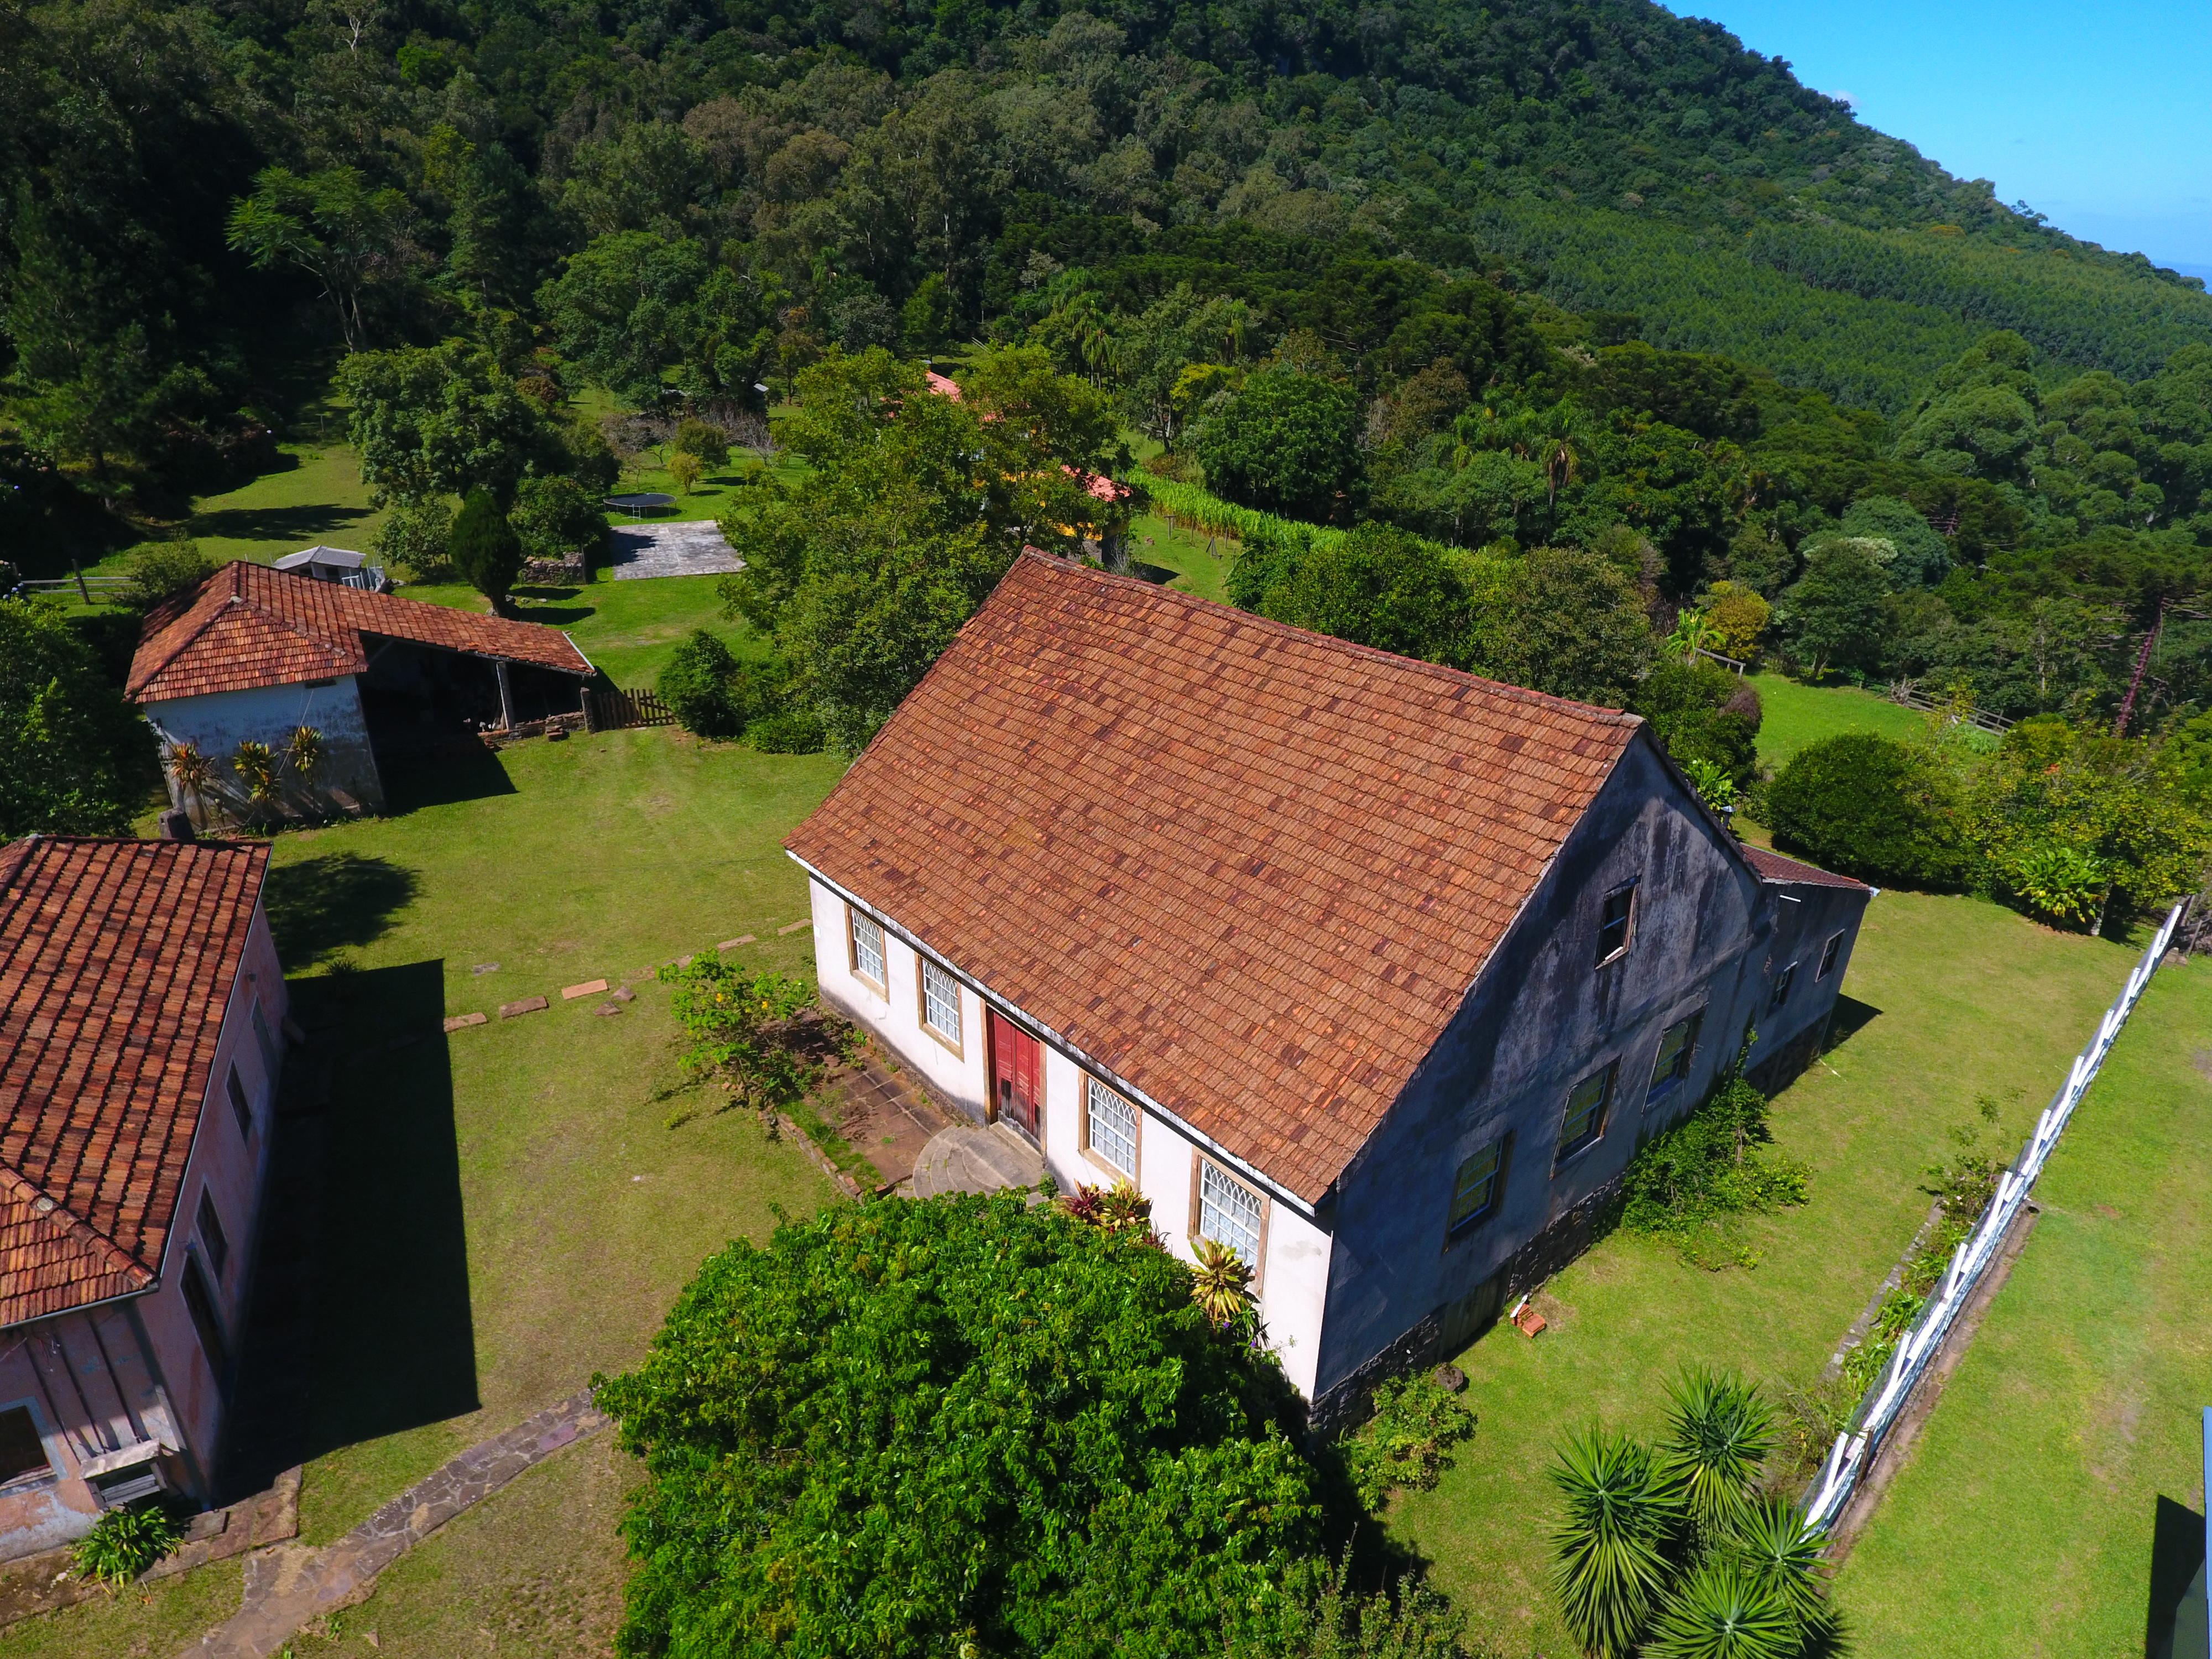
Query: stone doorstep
point(590, 987)
point(526, 1005)
point(47, 1582)
point(462, 1022)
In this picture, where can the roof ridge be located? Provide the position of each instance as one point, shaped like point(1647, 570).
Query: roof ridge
point(1596, 714)
point(16, 1186)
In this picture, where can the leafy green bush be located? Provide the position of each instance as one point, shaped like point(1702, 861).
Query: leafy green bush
point(962, 1423)
point(161, 571)
point(75, 758)
point(553, 517)
point(714, 695)
point(484, 547)
point(786, 732)
point(1284, 442)
point(1702, 713)
point(696, 437)
point(1379, 586)
point(752, 1030)
point(123, 1543)
point(1408, 1442)
point(416, 536)
point(1873, 807)
point(1692, 1184)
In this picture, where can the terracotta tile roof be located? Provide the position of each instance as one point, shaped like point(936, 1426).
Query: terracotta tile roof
point(117, 959)
point(1772, 866)
point(248, 626)
point(1251, 870)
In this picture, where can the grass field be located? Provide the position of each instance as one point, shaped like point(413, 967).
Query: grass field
point(2057, 1493)
point(1194, 563)
point(505, 1211)
point(1958, 998)
point(1796, 714)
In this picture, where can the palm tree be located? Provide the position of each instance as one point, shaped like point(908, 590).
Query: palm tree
point(1610, 1564)
point(1779, 1551)
point(1718, 1434)
point(1723, 1611)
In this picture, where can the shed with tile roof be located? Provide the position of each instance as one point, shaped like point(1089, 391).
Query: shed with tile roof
point(1380, 969)
point(142, 1012)
point(255, 653)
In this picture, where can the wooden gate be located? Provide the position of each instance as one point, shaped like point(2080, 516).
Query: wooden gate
point(618, 710)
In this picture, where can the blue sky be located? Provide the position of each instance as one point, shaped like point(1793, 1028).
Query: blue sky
point(2098, 115)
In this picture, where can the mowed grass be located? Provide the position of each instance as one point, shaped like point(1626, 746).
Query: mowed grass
point(2025, 1520)
point(1958, 998)
point(1192, 562)
point(1795, 714)
point(319, 498)
point(500, 1212)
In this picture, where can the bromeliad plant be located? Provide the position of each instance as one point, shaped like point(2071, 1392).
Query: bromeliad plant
point(192, 769)
point(303, 753)
point(1120, 1208)
point(123, 1543)
point(1220, 1284)
point(1670, 1551)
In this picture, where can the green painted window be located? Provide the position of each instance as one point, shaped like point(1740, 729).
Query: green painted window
point(1586, 1112)
point(1475, 1189)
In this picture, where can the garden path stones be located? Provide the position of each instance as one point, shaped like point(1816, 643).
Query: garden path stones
point(794, 927)
point(485, 968)
point(732, 944)
point(292, 1583)
point(623, 994)
point(526, 1005)
point(590, 987)
point(462, 1022)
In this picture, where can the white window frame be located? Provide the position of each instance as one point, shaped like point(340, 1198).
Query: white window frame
point(938, 993)
point(1101, 1101)
point(855, 921)
point(1832, 952)
point(1218, 1194)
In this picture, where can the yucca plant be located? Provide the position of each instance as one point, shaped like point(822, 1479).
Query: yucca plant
point(123, 1543)
point(1778, 1549)
point(1610, 1566)
point(303, 751)
point(1718, 1434)
point(1220, 1284)
point(1723, 1611)
point(192, 770)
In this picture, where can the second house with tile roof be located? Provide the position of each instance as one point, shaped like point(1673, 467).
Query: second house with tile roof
point(255, 653)
point(1374, 971)
point(142, 1037)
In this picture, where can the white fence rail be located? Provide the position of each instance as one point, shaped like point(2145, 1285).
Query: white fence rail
point(1855, 1448)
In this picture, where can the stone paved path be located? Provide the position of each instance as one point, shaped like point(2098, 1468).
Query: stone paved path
point(287, 1586)
point(694, 548)
point(966, 1159)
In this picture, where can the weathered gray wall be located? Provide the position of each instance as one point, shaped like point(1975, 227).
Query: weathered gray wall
point(347, 780)
point(1541, 1018)
point(1804, 917)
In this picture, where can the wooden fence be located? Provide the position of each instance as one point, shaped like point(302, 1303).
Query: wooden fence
point(1912, 696)
point(618, 710)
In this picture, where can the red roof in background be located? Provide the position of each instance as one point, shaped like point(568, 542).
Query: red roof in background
point(117, 960)
point(249, 626)
point(1772, 866)
point(1250, 870)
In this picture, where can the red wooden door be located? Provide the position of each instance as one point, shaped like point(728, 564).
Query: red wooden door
point(1017, 1074)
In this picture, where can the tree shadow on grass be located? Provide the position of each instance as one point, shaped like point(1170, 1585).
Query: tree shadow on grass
point(304, 524)
point(361, 1325)
point(333, 902)
point(2177, 1585)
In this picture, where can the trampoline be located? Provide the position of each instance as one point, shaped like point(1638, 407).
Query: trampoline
point(637, 507)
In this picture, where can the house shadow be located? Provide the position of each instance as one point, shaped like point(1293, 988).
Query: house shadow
point(2175, 1624)
point(360, 1325)
point(461, 771)
point(1851, 1017)
point(333, 902)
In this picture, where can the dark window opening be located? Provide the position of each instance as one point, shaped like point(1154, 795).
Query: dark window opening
point(199, 1299)
point(1615, 923)
point(1829, 952)
point(1586, 1112)
point(211, 1238)
point(1678, 1045)
point(1475, 1189)
point(21, 1452)
point(238, 1104)
point(1783, 982)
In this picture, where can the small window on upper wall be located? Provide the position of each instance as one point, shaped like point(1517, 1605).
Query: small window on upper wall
point(1783, 983)
point(211, 1236)
point(1678, 1046)
point(21, 1452)
point(1587, 1106)
point(1829, 952)
point(867, 940)
point(199, 1301)
point(1616, 925)
point(241, 1105)
point(940, 1001)
point(1475, 1187)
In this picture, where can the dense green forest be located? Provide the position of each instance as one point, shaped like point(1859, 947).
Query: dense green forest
point(1531, 273)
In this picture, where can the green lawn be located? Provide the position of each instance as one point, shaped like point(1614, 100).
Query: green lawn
point(2024, 1521)
point(1959, 998)
point(1197, 564)
point(505, 1211)
point(1796, 714)
point(319, 498)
